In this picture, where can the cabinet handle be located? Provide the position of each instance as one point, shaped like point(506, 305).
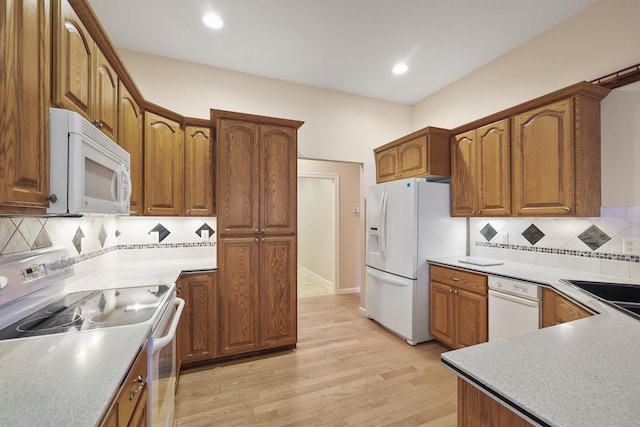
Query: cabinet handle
point(455, 279)
point(256, 239)
point(178, 289)
point(256, 231)
point(188, 211)
point(450, 290)
point(149, 210)
point(567, 209)
point(139, 389)
point(52, 198)
point(97, 123)
point(262, 230)
point(455, 292)
point(262, 240)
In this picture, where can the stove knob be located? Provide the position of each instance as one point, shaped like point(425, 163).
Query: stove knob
point(4, 281)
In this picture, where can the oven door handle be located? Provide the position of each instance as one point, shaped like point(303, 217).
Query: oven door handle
point(157, 344)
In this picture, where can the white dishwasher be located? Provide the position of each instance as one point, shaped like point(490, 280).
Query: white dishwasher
point(514, 307)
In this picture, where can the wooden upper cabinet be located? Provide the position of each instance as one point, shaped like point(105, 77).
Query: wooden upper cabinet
point(422, 153)
point(199, 177)
point(106, 96)
point(543, 161)
point(238, 190)
point(130, 123)
point(83, 80)
point(24, 115)
point(278, 195)
point(464, 183)
point(480, 179)
point(163, 166)
point(542, 158)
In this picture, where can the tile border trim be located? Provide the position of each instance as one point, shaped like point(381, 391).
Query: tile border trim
point(570, 252)
point(124, 247)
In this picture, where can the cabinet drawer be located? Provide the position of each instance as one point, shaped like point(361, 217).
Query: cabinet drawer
point(132, 388)
point(460, 279)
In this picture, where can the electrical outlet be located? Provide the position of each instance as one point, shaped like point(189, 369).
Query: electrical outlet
point(631, 246)
point(503, 238)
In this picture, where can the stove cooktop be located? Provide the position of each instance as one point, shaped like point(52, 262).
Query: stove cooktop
point(86, 310)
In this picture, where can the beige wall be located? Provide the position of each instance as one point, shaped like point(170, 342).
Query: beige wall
point(317, 224)
point(337, 126)
point(351, 225)
point(600, 40)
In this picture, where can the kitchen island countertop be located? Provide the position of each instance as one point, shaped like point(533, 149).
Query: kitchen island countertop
point(581, 373)
point(70, 379)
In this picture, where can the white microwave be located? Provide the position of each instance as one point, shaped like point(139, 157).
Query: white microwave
point(89, 173)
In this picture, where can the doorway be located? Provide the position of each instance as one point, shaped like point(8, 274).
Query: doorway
point(317, 233)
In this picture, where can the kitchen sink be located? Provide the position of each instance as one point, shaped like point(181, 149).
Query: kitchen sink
point(612, 292)
point(623, 296)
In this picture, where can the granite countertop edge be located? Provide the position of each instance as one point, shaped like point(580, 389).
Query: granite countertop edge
point(581, 373)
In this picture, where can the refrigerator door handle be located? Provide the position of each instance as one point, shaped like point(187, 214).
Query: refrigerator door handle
point(387, 280)
point(383, 225)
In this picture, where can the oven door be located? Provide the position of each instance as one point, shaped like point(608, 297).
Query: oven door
point(162, 366)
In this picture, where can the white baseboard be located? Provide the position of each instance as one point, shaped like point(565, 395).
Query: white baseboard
point(316, 276)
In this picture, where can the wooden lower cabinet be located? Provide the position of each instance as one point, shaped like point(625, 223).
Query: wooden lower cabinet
point(557, 309)
point(199, 322)
point(130, 406)
point(477, 409)
point(458, 315)
point(257, 294)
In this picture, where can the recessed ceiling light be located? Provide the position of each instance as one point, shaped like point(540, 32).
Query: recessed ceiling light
point(213, 21)
point(400, 68)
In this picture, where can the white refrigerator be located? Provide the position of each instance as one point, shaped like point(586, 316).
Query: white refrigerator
point(407, 222)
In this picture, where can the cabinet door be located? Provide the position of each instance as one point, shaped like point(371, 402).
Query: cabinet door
point(463, 175)
point(441, 313)
point(412, 158)
point(471, 318)
point(542, 161)
point(238, 191)
point(278, 292)
point(106, 96)
point(494, 169)
point(130, 138)
point(198, 324)
point(198, 174)
point(278, 167)
point(387, 165)
point(73, 54)
point(163, 166)
point(238, 297)
point(24, 115)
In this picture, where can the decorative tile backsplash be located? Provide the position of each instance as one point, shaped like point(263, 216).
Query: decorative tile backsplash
point(593, 245)
point(89, 237)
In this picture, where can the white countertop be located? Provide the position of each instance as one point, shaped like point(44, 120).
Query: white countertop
point(70, 379)
point(581, 373)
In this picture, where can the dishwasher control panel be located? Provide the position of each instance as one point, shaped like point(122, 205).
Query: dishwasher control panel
point(515, 287)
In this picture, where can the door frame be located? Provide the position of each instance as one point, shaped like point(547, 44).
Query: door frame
point(335, 178)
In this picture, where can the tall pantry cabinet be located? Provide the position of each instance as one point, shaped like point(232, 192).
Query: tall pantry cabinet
point(256, 174)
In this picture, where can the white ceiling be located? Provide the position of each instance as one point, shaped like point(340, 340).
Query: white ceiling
point(345, 45)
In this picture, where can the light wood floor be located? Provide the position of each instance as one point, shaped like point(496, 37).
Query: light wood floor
point(345, 371)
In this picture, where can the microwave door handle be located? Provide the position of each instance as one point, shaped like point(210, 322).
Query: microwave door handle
point(161, 342)
point(114, 185)
point(127, 177)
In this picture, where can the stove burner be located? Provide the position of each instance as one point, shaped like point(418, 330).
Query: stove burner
point(50, 323)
